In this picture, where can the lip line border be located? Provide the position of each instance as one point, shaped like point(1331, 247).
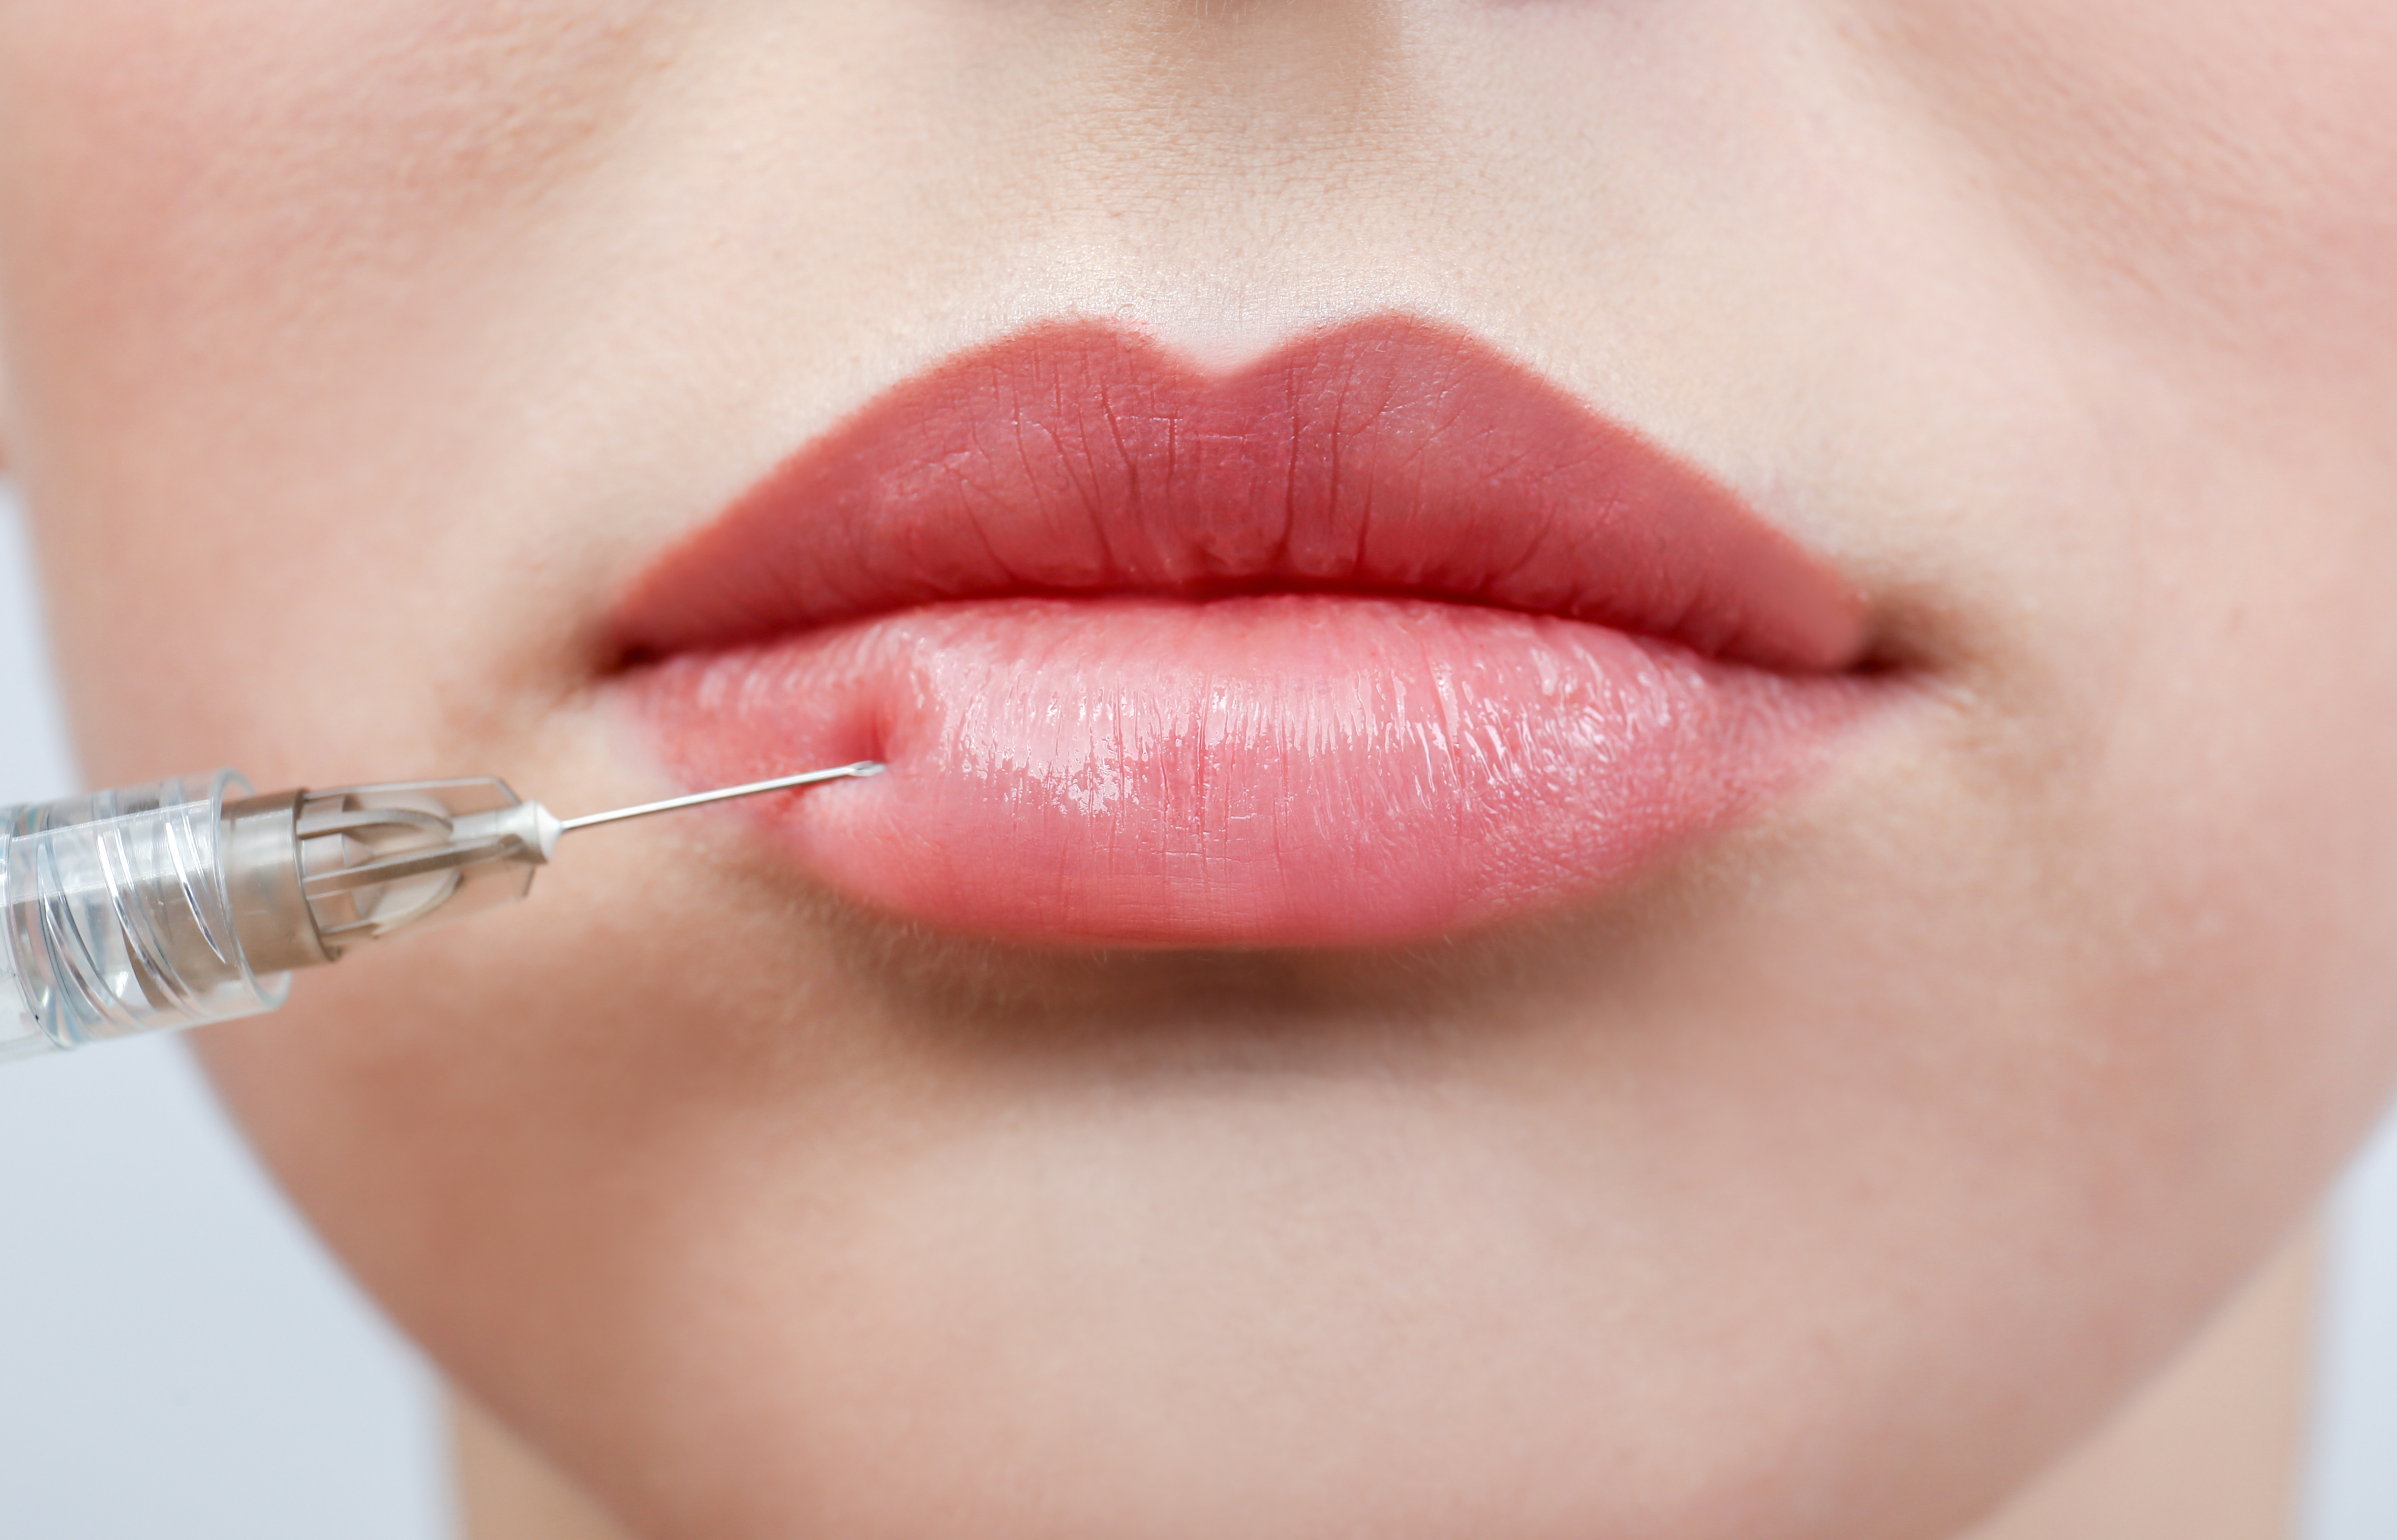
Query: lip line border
point(1870, 651)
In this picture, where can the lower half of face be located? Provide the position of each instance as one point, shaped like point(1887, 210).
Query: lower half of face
point(1636, 771)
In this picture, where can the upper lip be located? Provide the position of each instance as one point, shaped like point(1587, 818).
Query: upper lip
point(1390, 456)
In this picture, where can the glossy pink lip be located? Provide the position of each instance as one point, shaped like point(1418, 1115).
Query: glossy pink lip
point(1376, 638)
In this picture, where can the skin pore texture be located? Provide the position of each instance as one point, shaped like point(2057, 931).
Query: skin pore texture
point(1839, 1171)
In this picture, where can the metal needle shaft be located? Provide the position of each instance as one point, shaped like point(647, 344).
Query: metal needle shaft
point(673, 804)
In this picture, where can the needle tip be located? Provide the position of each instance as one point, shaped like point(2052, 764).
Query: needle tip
point(867, 767)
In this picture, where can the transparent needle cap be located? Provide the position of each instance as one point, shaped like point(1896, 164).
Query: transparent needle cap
point(315, 875)
point(378, 860)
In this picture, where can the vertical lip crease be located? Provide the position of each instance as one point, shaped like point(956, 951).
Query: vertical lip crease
point(1392, 457)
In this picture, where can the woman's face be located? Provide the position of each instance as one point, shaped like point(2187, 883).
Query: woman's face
point(1747, 982)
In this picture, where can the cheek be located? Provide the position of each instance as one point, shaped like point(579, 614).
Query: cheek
point(224, 166)
point(2246, 776)
point(2217, 171)
point(2207, 191)
point(244, 248)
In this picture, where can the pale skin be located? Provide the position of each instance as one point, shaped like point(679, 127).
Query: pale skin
point(2213, 1449)
point(1850, 1177)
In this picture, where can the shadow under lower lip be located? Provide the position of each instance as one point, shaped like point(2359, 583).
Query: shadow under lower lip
point(1277, 770)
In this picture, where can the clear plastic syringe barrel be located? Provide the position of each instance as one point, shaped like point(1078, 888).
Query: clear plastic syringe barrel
point(115, 921)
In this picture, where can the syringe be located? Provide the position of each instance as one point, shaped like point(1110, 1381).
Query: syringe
point(194, 901)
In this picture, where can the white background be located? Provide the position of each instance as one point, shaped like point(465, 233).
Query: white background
point(179, 1361)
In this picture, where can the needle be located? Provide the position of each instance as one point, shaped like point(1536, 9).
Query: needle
point(863, 767)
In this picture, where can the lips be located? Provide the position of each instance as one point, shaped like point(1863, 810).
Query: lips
point(1381, 638)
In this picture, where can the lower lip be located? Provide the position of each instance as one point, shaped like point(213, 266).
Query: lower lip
point(1281, 770)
